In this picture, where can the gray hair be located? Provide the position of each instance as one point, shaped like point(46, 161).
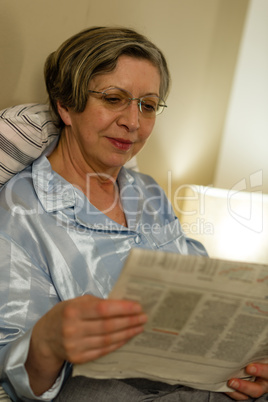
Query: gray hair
point(93, 51)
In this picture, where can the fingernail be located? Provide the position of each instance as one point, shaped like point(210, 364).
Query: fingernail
point(234, 384)
point(251, 369)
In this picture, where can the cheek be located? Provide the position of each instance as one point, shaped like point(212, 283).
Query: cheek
point(147, 128)
point(97, 118)
point(103, 121)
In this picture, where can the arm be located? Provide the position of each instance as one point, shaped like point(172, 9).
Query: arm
point(27, 293)
point(40, 330)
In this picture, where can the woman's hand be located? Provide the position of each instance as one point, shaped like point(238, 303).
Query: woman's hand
point(254, 389)
point(79, 330)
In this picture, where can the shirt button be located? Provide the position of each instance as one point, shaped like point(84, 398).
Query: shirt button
point(137, 239)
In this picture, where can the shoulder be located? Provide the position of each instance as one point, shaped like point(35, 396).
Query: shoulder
point(146, 185)
point(17, 204)
point(149, 193)
point(142, 179)
point(19, 186)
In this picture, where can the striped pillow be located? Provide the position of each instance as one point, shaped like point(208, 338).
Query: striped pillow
point(25, 132)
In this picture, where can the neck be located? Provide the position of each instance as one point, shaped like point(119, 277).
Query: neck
point(68, 161)
point(97, 183)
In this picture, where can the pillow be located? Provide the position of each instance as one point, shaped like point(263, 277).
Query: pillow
point(25, 133)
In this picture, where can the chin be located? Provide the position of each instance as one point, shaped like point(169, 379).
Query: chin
point(118, 161)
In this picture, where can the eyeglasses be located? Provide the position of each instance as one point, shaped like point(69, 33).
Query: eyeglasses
point(118, 99)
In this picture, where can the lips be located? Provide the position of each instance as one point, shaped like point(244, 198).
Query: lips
point(120, 143)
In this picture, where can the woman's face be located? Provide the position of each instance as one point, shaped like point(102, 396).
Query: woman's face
point(103, 139)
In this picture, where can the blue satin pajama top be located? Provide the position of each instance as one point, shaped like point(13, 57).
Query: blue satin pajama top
point(55, 245)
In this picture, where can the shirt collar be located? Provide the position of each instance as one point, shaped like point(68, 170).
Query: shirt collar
point(55, 193)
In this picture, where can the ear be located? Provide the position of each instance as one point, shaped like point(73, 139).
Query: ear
point(64, 114)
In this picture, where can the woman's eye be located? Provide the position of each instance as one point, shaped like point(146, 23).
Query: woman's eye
point(113, 99)
point(149, 107)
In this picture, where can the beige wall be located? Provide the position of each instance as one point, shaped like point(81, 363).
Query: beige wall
point(243, 161)
point(200, 39)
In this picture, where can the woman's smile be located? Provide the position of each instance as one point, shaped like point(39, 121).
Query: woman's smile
point(120, 143)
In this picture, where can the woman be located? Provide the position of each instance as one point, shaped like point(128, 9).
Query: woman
point(69, 221)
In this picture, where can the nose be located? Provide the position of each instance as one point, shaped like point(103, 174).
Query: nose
point(130, 116)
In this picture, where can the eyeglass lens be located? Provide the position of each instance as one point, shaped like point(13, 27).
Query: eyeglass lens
point(118, 99)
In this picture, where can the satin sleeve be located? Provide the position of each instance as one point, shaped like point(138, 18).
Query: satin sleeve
point(26, 294)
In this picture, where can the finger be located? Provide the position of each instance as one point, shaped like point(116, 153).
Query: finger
point(93, 354)
point(253, 389)
point(111, 325)
point(237, 396)
point(92, 347)
point(117, 308)
point(78, 329)
point(90, 307)
point(258, 370)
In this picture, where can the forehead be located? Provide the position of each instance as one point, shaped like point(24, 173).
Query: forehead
point(135, 75)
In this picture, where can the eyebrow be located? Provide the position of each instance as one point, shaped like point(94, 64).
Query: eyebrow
point(123, 89)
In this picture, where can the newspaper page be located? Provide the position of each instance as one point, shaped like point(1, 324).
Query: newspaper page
point(208, 318)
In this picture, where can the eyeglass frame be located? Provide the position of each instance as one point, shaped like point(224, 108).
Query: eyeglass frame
point(130, 99)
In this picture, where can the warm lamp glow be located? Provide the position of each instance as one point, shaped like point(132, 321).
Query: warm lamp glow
point(231, 225)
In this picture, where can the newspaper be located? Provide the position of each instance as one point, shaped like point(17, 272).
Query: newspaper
point(208, 318)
